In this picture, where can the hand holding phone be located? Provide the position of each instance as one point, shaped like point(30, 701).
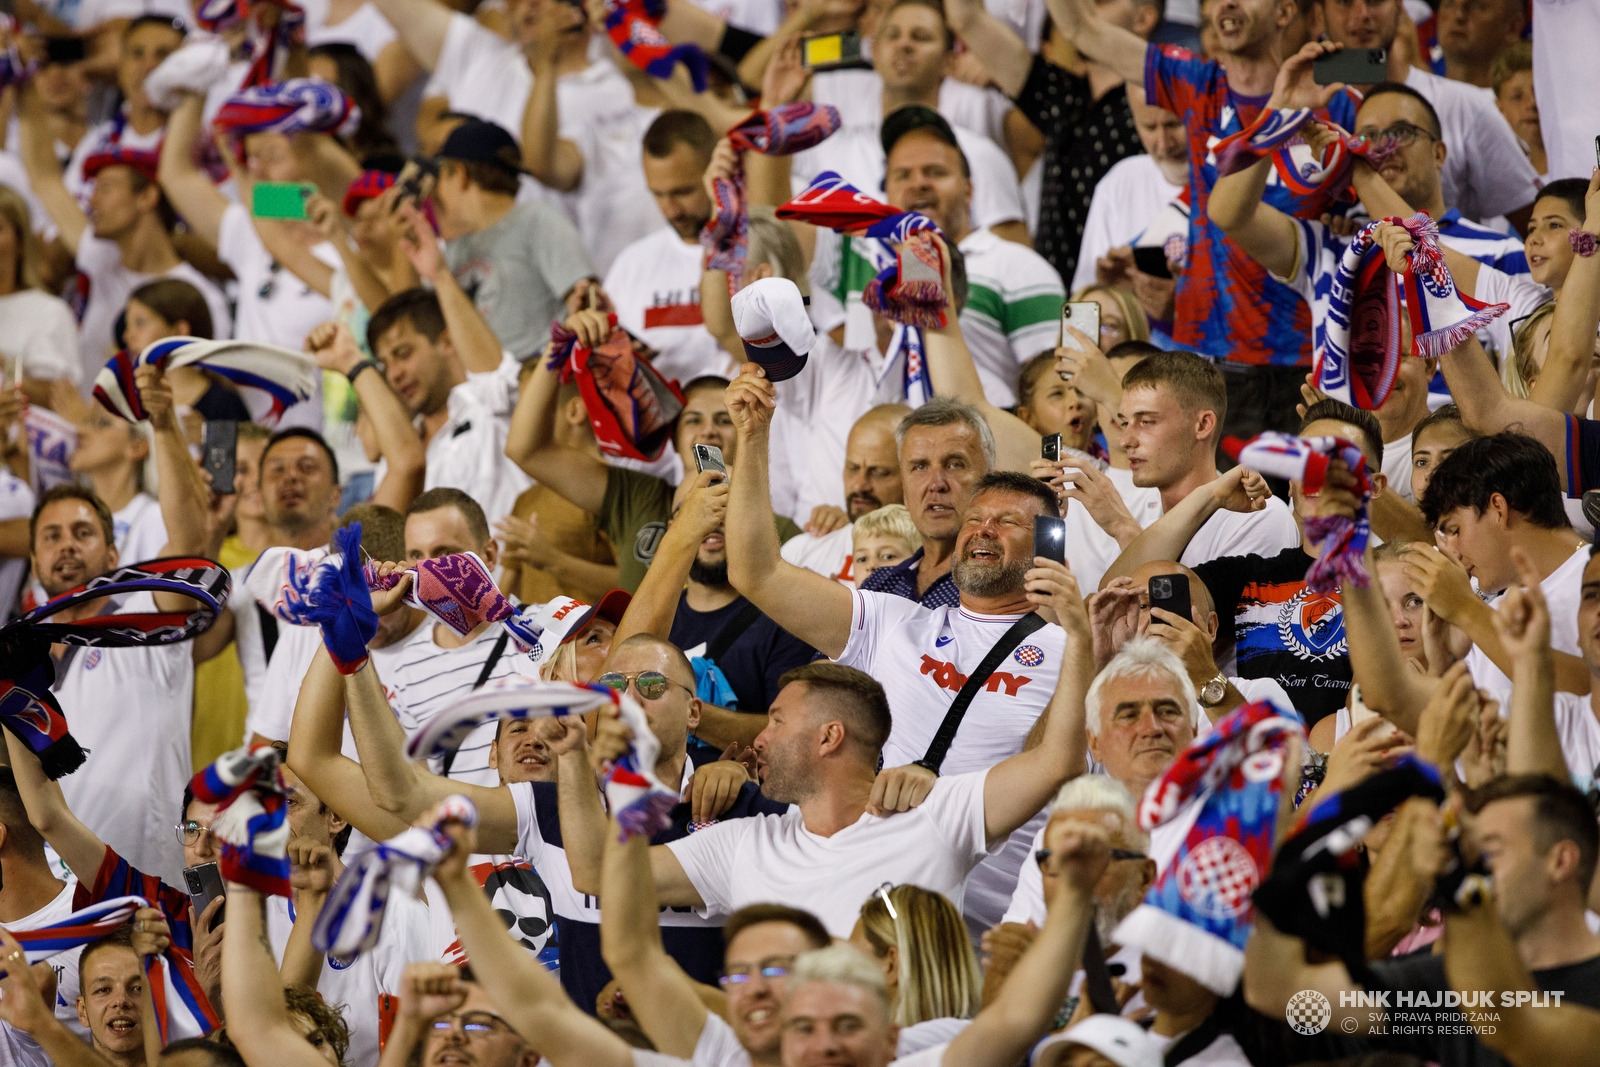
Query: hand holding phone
point(831, 51)
point(1170, 592)
point(709, 457)
point(281, 200)
point(204, 882)
point(1050, 447)
point(1351, 66)
point(1083, 316)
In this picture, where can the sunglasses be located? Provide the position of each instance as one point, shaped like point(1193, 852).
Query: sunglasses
point(1042, 856)
point(651, 685)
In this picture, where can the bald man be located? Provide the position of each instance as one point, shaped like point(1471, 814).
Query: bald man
point(871, 481)
point(1122, 610)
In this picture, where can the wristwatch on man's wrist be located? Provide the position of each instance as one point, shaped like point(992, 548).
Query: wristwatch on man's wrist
point(1212, 692)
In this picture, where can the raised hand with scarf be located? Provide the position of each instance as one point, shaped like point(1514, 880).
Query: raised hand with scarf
point(269, 378)
point(634, 27)
point(247, 787)
point(632, 407)
point(1334, 471)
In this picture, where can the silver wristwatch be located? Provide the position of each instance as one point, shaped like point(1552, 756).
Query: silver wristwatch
point(1212, 692)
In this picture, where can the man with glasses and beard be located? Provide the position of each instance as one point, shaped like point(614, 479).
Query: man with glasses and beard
point(446, 1020)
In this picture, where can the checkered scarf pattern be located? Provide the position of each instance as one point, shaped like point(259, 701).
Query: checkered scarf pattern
point(633, 25)
point(1341, 542)
point(247, 788)
point(1197, 917)
point(779, 131)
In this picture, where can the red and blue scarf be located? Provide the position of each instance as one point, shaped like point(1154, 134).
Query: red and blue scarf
point(1341, 542)
point(299, 105)
point(632, 408)
point(633, 26)
point(269, 379)
point(1323, 185)
point(247, 788)
point(779, 131)
point(268, 48)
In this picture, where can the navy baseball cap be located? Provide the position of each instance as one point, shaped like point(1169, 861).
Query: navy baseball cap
point(477, 141)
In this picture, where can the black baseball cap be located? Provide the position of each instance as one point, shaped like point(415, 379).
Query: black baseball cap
point(477, 141)
point(912, 117)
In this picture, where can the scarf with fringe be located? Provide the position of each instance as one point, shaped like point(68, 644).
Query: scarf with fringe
point(1341, 542)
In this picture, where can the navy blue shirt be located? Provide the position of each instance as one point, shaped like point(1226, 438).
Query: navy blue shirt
point(756, 659)
point(698, 949)
point(901, 580)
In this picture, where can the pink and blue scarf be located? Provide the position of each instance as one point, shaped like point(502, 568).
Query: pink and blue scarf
point(779, 131)
point(636, 797)
point(909, 291)
point(247, 788)
point(27, 706)
point(1341, 542)
point(182, 1009)
point(299, 105)
point(1198, 915)
point(351, 920)
point(633, 26)
point(269, 379)
point(1323, 185)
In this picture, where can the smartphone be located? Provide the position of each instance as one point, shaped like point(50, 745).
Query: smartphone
point(1050, 447)
point(709, 457)
point(1084, 317)
point(1050, 538)
point(1352, 66)
point(281, 200)
point(1597, 151)
point(1170, 592)
point(416, 180)
point(1151, 260)
point(204, 882)
point(831, 51)
point(64, 50)
point(221, 454)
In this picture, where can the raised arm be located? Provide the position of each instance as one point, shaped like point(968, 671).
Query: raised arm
point(1570, 359)
point(44, 171)
point(75, 843)
point(1167, 537)
point(549, 157)
point(577, 475)
point(189, 188)
point(1523, 621)
point(23, 1006)
point(1018, 789)
point(259, 1023)
point(475, 341)
point(529, 996)
point(813, 608)
point(1266, 234)
point(316, 737)
point(1003, 54)
point(336, 350)
point(1389, 684)
point(1109, 45)
point(422, 26)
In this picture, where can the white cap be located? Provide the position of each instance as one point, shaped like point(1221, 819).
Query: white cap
point(562, 619)
point(1122, 1041)
point(770, 315)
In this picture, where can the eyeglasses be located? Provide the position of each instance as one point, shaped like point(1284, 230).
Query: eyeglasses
point(1403, 133)
point(1042, 857)
point(769, 968)
point(473, 1024)
point(651, 685)
point(189, 832)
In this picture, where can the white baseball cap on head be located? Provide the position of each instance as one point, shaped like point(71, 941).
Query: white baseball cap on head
point(1122, 1041)
point(564, 618)
point(770, 315)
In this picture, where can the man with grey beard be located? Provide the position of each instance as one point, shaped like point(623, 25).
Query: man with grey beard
point(922, 655)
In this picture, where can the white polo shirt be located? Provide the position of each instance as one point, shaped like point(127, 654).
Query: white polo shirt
point(1562, 589)
point(1012, 313)
point(774, 858)
point(131, 710)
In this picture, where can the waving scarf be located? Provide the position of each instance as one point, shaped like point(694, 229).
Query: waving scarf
point(268, 47)
point(636, 797)
point(633, 25)
point(351, 919)
point(181, 1007)
point(780, 131)
point(201, 63)
point(339, 602)
point(1361, 353)
point(1314, 890)
point(1324, 183)
point(1197, 917)
point(247, 788)
point(632, 408)
point(909, 291)
point(269, 378)
point(27, 707)
point(299, 105)
point(1341, 542)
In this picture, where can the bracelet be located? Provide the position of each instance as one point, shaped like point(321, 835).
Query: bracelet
point(355, 372)
point(1583, 243)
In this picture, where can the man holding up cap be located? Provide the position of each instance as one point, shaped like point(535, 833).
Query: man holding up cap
point(516, 261)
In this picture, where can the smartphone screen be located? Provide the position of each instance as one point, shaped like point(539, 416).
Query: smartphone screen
point(1152, 260)
point(831, 51)
point(1050, 538)
point(1083, 316)
point(221, 455)
point(1050, 447)
point(1352, 66)
point(281, 200)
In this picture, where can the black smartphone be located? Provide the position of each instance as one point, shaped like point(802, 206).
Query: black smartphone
point(832, 51)
point(416, 179)
point(221, 454)
point(64, 50)
point(1050, 538)
point(1597, 151)
point(1352, 66)
point(709, 457)
point(204, 882)
point(1050, 447)
point(1151, 260)
point(1170, 592)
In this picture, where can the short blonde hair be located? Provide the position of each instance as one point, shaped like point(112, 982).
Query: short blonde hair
point(1520, 370)
point(1512, 60)
point(1132, 310)
point(839, 964)
point(939, 975)
point(891, 520)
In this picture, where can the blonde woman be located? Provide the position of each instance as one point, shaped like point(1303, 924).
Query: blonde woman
point(38, 334)
point(920, 942)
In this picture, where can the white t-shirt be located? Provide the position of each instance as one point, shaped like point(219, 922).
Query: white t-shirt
point(858, 94)
point(1090, 550)
point(138, 529)
point(830, 555)
point(1567, 83)
point(1486, 173)
point(1132, 192)
point(654, 284)
point(1012, 313)
point(39, 334)
point(481, 73)
point(1562, 590)
point(515, 890)
point(760, 17)
point(110, 284)
point(357, 986)
point(131, 710)
point(18, 1049)
point(16, 502)
point(774, 858)
point(1234, 533)
point(1397, 467)
point(366, 28)
point(1579, 730)
point(469, 451)
point(816, 410)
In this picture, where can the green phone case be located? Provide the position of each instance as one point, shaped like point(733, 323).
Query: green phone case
point(281, 200)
